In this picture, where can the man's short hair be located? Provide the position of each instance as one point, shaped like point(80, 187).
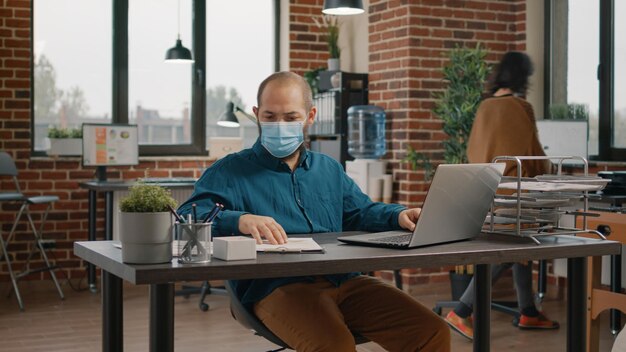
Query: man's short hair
point(288, 77)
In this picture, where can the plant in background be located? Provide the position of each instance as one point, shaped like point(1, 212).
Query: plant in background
point(145, 198)
point(59, 133)
point(312, 78)
point(579, 112)
point(466, 74)
point(331, 25)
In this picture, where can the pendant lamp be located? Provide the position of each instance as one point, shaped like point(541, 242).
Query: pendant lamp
point(343, 7)
point(178, 53)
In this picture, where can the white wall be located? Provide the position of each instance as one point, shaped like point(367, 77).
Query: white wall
point(354, 41)
point(284, 35)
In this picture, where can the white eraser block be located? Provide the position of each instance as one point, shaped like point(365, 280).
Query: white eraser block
point(234, 248)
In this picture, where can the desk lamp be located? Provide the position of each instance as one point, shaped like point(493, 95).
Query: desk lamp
point(229, 116)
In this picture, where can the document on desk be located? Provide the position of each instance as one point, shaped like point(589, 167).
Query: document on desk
point(293, 245)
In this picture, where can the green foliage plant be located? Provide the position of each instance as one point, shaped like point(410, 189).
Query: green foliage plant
point(579, 112)
point(147, 198)
point(465, 74)
point(331, 25)
point(54, 132)
point(312, 78)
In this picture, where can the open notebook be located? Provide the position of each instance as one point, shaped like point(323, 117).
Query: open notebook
point(293, 245)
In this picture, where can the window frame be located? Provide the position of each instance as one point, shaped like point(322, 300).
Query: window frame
point(119, 84)
point(605, 75)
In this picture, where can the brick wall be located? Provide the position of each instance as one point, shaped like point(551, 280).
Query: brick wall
point(408, 42)
point(67, 221)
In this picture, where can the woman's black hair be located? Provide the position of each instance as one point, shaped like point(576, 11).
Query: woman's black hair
point(513, 72)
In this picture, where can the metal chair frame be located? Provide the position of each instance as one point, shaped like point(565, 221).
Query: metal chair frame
point(8, 168)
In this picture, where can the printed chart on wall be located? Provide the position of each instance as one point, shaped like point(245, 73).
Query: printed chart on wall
point(110, 145)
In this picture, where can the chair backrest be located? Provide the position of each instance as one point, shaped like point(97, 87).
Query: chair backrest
point(249, 320)
point(620, 342)
point(7, 166)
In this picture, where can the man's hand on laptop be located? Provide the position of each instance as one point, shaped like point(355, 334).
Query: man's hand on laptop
point(262, 227)
point(408, 218)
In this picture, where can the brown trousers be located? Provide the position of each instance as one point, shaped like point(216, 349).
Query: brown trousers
point(319, 316)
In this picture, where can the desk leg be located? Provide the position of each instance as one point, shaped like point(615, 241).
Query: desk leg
point(112, 313)
point(616, 286)
point(108, 215)
point(482, 308)
point(576, 304)
point(91, 269)
point(162, 317)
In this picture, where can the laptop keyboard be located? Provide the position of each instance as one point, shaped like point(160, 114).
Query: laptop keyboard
point(394, 240)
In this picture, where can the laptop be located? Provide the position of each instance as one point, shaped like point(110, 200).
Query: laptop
point(455, 208)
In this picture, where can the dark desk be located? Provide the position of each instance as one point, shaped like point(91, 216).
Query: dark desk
point(482, 251)
point(108, 187)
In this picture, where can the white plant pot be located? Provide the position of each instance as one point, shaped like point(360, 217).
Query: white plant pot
point(146, 237)
point(66, 146)
point(333, 64)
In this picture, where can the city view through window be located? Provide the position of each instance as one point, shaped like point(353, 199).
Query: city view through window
point(73, 65)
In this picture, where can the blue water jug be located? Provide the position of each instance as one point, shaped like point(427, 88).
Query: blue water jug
point(366, 132)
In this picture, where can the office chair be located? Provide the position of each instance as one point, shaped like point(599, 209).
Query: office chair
point(8, 168)
point(249, 320)
point(203, 290)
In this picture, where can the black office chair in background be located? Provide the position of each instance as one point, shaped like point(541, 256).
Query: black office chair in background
point(249, 320)
point(8, 168)
point(203, 290)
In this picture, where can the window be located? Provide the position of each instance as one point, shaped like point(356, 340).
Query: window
point(619, 132)
point(583, 44)
point(71, 65)
point(239, 61)
point(159, 93)
point(106, 64)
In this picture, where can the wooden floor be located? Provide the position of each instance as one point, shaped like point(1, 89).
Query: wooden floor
point(49, 324)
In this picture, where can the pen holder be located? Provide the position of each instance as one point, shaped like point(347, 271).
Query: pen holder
point(193, 242)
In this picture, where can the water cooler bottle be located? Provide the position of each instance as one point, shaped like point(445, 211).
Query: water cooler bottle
point(366, 143)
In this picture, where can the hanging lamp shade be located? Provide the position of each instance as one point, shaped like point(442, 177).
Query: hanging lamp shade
point(343, 7)
point(178, 54)
point(228, 117)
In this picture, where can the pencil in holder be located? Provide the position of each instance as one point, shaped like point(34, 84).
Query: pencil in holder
point(193, 242)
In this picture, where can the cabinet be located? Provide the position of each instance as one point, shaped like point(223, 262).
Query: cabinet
point(329, 133)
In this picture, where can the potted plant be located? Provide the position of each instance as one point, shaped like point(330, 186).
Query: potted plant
point(466, 74)
point(65, 141)
point(331, 25)
point(146, 225)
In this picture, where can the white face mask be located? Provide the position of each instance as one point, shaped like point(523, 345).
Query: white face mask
point(281, 139)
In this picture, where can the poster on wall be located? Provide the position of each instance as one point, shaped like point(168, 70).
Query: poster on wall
point(110, 144)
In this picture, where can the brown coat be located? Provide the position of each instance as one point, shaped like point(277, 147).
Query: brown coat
point(505, 126)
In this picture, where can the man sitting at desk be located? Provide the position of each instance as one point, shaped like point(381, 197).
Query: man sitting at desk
point(279, 187)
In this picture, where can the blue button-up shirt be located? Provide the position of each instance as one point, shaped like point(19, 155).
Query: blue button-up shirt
point(316, 197)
